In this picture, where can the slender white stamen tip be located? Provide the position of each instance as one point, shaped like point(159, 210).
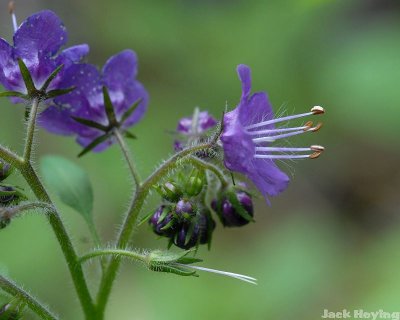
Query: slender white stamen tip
point(224, 273)
point(11, 9)
point(316, 128)
point(317, 110)
point(317, 148)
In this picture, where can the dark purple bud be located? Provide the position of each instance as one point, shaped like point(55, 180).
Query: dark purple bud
point(184, 209)
point(5, 170)
point(163, 222)
point(8, 195)
point(235, 208)
point(196, 232)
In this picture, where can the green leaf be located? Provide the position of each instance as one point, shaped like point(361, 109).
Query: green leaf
point(58, 92)
point(90, 123)
point(51, 78)
point(26, 76)
point(13, 94)
point(95, 143)
point(109, 108)
point(71, 183)
point(129, 112)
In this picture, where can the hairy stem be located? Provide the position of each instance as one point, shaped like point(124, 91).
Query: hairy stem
point(30, 131)
point(210, 167)
point(64, 240)
point(127, 156)
point(24, 165)
point(113, 252)
point(131, 218)
point(13, 289)
point(10, 212)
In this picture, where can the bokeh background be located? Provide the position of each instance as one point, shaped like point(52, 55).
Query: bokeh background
point(331, 241)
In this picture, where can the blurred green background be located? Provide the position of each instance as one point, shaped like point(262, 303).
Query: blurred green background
point(331, 241)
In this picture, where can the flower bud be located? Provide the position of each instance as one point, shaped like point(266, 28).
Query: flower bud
point(198, 231)
point(5, 170)
point(195, 183)
point(184, 209)
point(163, 222)
point(8, 312)
point(8, 195)
point(234, 208)
point(169, 191)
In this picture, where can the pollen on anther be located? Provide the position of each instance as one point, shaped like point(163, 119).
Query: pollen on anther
point(317, 148)
point(308, 125)
point(317, 110)
point(315, 155)
point(11, 7)
point(317, 127)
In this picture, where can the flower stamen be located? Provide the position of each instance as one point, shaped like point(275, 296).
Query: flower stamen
point(314, 111)
point(11, 9)
point(306, 127)
point(317, 150)
point(286, 135)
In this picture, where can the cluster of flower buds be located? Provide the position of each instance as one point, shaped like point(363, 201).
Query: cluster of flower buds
point(182, 218)
point(9, 195)
point(10, 311)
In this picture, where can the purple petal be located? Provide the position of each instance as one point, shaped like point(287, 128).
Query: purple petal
point(85, 141)
point(72, 55)
point(41, 34)
point(10, 76)
point(244, 73)
point(57, 120)
point(268, 178)
point(256, 109)
point(119, 76)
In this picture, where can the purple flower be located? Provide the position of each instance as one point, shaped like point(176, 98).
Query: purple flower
point(193, 131)
point(37, 42)
point(87, 101)
point(248, 131)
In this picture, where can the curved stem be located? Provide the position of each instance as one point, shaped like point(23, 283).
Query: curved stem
point(113, 252)
point(10, 212)
point(131, 219)
point(11, 288)
point(68, 250)
point(30, 132)
point(127, 156)
point(210, 167)
point(10, 157)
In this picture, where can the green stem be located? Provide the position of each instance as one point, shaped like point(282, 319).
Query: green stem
point(131, 218)
point(10, 212)
point(210, 167)
point(127, 156)
point(25, 167)
point(11, 288)
point(113, 252)
point(30, 131)
point(67, 248)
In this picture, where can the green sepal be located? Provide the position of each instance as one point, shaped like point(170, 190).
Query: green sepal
point(238, 207)
point(163, 215)
point(26, 76)
point(95, 143)
point(58, 92)
point(168, 225)
point(129, 135)
point(12, 310)
point(13, 94)
point(175, 269)
point(109, 108)
point(51, 78)
point(145, 218)
point(129, 112)
point(90, 123)
point(189, 260)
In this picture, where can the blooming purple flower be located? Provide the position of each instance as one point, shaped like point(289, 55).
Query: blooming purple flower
point(190, 130)
point(248, 131)
point(37, 42)
point(87, 101)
